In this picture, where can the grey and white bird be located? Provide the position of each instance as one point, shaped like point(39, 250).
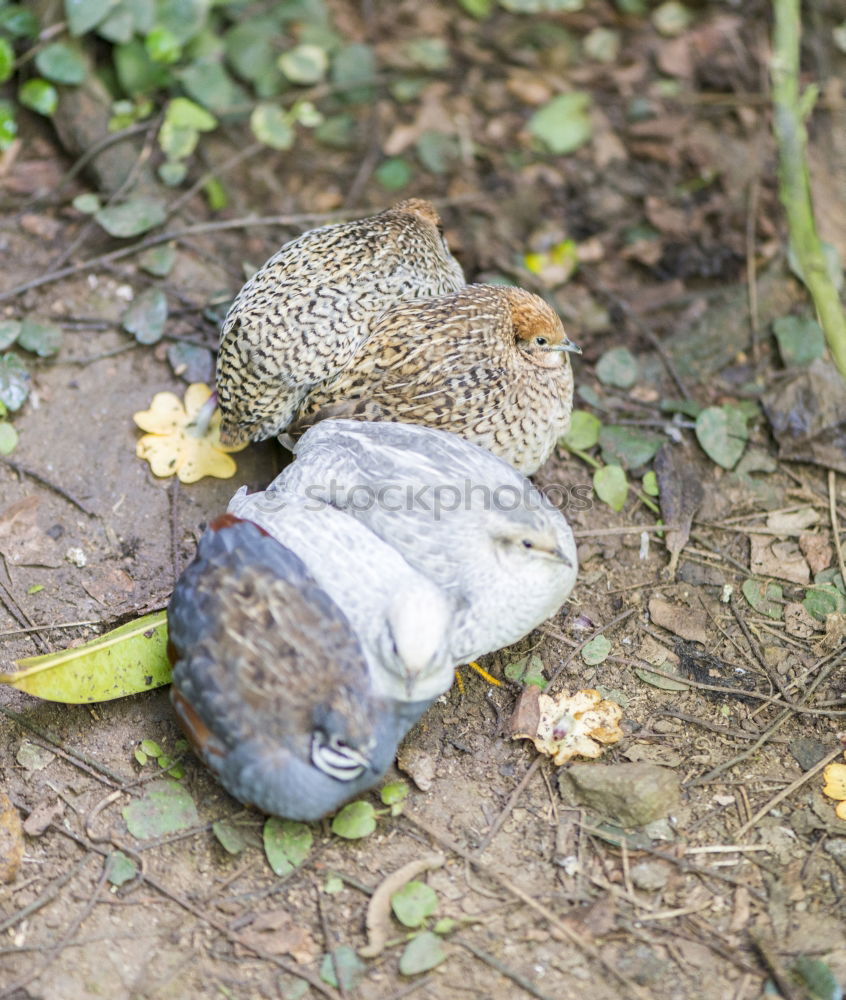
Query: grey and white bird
point(403, 621)
point(270, 683)
point(301, 317)
point(456, 513)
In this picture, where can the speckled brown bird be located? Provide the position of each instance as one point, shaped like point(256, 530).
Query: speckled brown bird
point(270, 683)
point(488, 363)
point(301, 317)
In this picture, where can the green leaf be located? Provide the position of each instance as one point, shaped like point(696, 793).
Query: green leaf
point(208, 83)
point(527, 670)
point(817, 978)
point(173, 172)
point(332, 885)
point(183, 18)
point(627, 446)
point(166, 807)
point(8, 438)
point(145, 319)
point(764, 597)
point(125, 661)
point(271, 126)
point(118, 27)
point(39, 95)
point(87, 203)
point(541, 6)
point(394, 793)
point(663, 683)
point(8, 125)
point(413, 903)
point(354, 821)
point(83, 15)
point(353, 70)
point(250, 47)
point(477, 8)
point(611, 486)
point(191, 362)
point(43, 339)
point(182, 113)
point(216, 194)
point(14, 381)
point(650, 484)
point(177, 144)
point(9, 330)
point(132, 217)
point(423, 952)
point(349, 967)
point(230, 836)
point(394, 174)
point(339, 131)
point(159, 260)
point(162, 46)
point(120, 868)
point(151, 748)
point(583, 432)
point(304, 64)
point(18, 21)
point(800, 340)
point(61, 63)
point(286, 844)
point(563, 124)
point(141, 757)
point(671, 18)
point(689, 407)
point(722, 433)
point(431, 54)
point(7, 60)
point(617, 367)
point(824, 600)
point(597, 650)
point(136, 71)
point(436, 151)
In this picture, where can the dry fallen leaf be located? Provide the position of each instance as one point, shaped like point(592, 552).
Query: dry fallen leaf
point(679, 619)
point(834, 776)
point(276, 933)
point(780, 560)
point(576, 725)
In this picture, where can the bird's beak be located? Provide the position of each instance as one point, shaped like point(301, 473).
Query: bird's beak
point(561, 555)
point(565, 345)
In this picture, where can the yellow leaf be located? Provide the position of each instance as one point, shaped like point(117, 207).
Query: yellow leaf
point(165, 415)
point(835, 781)
point(840, 811)
point(125, 661)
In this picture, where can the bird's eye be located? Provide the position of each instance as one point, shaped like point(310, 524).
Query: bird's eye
point(527, 544)
point(541, 341)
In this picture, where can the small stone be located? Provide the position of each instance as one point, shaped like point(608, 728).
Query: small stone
point(650, 875)
point(76, 556)
point(807, 751)
point(630, 795)
point(32, 757)
point(418, 765)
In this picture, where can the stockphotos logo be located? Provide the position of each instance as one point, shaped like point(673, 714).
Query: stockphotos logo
point(439, 499)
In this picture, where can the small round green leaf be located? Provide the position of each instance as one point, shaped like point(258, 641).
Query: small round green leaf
point(162, 46)
point(394, 792)
point(350, 968)
point(173, 172)
point(177, 142)
point(8, 438)
point(286, 844)
point(304, 64)
point(87, 203)
point(563, 124)
point(18, 21)
point(230, 836)
point(39, 95)
point(8, 125)
point(597, 650)
point(43, 339)
point(423, 952)
point(271, 126)
point(83, 15)
point(611, 486)
point(9, 330)
point(629, 447)
point(151, 748)
point(354, 821)
point(146, 317)
point(14, 381)
point(671, 18)
point(722, 432)
point(824, 600)
point(617, 367)
point(61, 63)
point(650, 484)
point(182, 113)
point(133, 217)
point(413, 903)
point(353, 69)
point(765, 598)
point(166, 807)
point(7, 60)
point(120, 868)
point(431, 54)
point(800, 340)
point(159, 260)
point(394, 174)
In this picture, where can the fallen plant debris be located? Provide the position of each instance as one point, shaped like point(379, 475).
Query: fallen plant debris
point(567, 726)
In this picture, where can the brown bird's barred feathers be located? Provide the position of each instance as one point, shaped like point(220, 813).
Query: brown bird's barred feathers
point(470, 363)
point(301, 317)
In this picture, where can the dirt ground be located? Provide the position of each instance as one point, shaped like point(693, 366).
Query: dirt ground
point(674, 210)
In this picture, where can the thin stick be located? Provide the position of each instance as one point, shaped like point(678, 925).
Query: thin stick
point(785, 792)
point(835, 528)
point(45, 628)
point(509, 805)
point(39, 477)
point(503, 969)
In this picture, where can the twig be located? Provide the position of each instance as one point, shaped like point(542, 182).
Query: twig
point(790, 109)
point(45, 628)
point(45, 897)
point(503, 969)
point(835, 528)
point(330, 948)
point(785, 792)
point(39, 477)
point(509, 805)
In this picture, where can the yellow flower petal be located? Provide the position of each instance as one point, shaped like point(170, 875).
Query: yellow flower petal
point(164, 453)
point(195, 396)
point(840, 811)
point(835, 781)
point(201, 459)
point(166, 413)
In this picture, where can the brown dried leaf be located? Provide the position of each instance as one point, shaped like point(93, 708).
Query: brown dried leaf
point(685, 622)
point(681, 493)
point(42, 816)
point(276, 933)
point(817, 550)
point(22, 542)
point(799, 622)
point(781, 560)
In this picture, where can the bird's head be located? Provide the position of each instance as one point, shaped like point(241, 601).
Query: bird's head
point(341, 743)
point(415, 640)
point(531, 542)
point(538, 331)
